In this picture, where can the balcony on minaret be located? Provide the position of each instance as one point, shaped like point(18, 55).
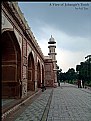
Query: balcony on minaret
point(52, 46)
point(52, 53)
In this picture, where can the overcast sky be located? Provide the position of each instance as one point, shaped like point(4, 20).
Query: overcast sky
point(68, 22)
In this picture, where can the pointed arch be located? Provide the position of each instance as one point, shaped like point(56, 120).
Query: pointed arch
point(11, 65)
point(43, 75)
point(38, 75)
point(31, 73)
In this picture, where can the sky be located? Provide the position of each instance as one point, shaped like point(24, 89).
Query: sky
point(68, 22)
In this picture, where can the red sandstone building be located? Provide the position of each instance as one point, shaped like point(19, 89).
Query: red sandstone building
point(24, 67)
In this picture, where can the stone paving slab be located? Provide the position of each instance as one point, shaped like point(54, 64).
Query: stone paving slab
point(70, 104)
point(35, 111)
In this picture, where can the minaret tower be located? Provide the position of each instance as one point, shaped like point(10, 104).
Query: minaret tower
point(52, 54)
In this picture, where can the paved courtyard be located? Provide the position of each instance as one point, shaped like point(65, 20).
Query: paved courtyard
point(64, 103)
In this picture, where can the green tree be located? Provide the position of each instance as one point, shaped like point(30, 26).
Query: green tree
point(71, 75)
point(84, 70)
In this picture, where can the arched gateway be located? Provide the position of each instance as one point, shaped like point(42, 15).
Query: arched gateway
point(38, 75)
point(31, 73)
point(43, 76)
point(11, 65)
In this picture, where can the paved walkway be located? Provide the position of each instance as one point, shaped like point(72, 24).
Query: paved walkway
point(70, 104)
point(64, 103)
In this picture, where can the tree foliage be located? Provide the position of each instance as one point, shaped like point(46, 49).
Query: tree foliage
point(84, 70)
point(68, 76)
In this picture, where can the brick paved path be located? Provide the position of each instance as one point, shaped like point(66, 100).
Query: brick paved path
point(65, 103)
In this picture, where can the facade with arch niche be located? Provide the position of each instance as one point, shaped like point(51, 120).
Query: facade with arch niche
point(23, 63)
